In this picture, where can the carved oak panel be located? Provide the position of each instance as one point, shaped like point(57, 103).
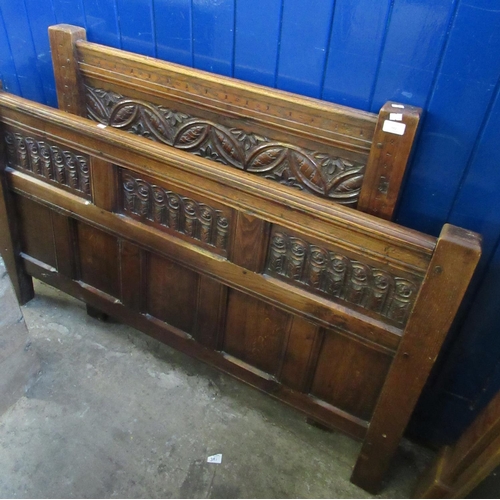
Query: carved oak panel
point(317, 172)
point(174, 212)
point(56, 164)
point(341, 278)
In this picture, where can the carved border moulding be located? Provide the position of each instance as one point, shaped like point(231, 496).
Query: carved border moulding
point(341, 278)
point(178, 213)
point(318, 173)
point(48, 161)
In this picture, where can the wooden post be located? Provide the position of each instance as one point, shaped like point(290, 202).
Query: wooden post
point(450, 270)
point(10, 246)
point(69, 85)
point(390, 151)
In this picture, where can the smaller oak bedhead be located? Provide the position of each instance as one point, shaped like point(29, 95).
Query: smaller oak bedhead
point(334, 152)
point(338, 313)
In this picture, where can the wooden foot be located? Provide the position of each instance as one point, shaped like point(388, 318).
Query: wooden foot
point(96, 313)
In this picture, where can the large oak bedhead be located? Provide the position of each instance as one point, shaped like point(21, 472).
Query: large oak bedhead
point(338, 313)
point(334, 152)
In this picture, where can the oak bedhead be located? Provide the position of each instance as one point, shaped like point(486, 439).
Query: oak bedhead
point(334, 152)
point(338, 313)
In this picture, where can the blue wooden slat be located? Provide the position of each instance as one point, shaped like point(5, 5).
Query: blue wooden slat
point(213, 35)
point(477, 203)
point(70, 12)
point(41, 16)
point(305, 36)
point(101, 22)
point(415, 35)
point(358, 33)
point(256, 40)
point(172, 22)
point(136, 26)
point(7, 67)
point(460, 100)
point(22, 49)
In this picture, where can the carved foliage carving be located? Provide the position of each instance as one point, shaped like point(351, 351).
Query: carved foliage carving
point(340, 277)
point(318, 173)
point(48, 161)
point(179, 213)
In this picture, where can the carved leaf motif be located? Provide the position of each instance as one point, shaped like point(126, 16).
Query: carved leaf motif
point(228, 148)
point(191, 135)
point(307, 172)
point(266, 159)
point(95, 107)
point(123, 115)
point(155, 124)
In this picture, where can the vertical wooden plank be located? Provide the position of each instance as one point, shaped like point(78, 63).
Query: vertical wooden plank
point(390, 151)
point(136, 26)
point(299, 350)
point(69, 85)
point(64, 241)
point(349, 374)
point(98, 259)
point(305, 36)
point(103, 176)
point(22, 49)
point(411, 52)
point(173, 29)
point(40, 17)
point(36, 231)
point(212, 299)
point(101, 22)
point(8, 71)
point(10, 245)
point(256, 40)
point(69, 12)
point(250, 242)
point(131, 276)
point(463, 91)
point(213, 36)
point(451, 267)
point(171, 293)
point(255, 332)
point(357, 38)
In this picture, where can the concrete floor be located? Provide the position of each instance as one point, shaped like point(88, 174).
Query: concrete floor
point(114, 413)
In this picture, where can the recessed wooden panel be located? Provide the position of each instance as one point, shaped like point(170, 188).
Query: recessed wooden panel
point(98, 259)
point(37, 237)
point(212, 297)
point(349, 374)
point(299, 352)
point(171, 293)
point(255, 332)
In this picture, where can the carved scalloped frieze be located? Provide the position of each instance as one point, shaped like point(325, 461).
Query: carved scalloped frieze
point(180, 214)
point(340, 277)
point(51, 162)
point(324, 175)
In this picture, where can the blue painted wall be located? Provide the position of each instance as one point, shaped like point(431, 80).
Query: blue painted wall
point(443, 55)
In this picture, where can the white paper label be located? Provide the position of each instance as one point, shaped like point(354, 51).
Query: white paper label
point(394, 127)
point(397, 117)
point(215, 459)
point(101, 125)
point(398, 106)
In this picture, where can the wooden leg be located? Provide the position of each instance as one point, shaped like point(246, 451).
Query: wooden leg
point(93, 312)
point(451, 267)
point(10, 247)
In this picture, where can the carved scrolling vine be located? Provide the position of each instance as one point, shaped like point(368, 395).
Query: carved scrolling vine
point(341, 277)
point(48, 161)
point(179, 213)
point(318, 173)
